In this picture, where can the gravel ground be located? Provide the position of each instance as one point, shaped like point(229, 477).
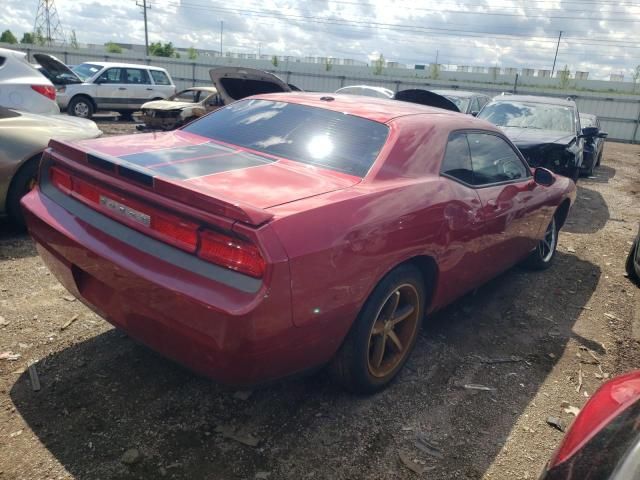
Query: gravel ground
point(111, 409)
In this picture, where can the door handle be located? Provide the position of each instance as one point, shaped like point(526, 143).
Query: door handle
point(121, 88)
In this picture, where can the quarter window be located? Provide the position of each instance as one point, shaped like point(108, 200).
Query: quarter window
point(494, 160)
point(457, 159)
point(160, 78)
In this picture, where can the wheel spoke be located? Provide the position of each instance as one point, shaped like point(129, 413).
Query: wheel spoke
point(392, 305)
point(402, 314)
point(395, 341)
point(378, 328)
point(378, 350)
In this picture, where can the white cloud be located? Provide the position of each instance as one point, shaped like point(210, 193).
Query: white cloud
point(491, 32)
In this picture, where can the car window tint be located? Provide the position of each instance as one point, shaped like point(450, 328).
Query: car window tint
point(457, 158)
point(111, 76)
point(494, 160)
point(136, 76)
point(160, 78)
point(2, 60)
point(310, 135)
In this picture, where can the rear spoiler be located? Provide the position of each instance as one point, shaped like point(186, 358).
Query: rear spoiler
point(123, 172)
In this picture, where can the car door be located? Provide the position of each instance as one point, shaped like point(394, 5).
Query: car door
point(162, 85)
point(111, 89)
point(139, 88)
point(511, 211)
point(463, 227)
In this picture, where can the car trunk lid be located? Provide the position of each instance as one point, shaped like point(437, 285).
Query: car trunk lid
point(56, 68)
point(234, 83)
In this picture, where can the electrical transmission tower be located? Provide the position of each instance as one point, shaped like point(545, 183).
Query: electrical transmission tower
point(47, 24)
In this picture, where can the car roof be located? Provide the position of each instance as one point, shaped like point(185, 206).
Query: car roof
point(7, 52)
point(536, 99)
point(380, 110)
point(123, 65)
point(457, 93)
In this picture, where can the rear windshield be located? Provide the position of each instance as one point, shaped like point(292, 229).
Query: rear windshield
point(86, 70)
point(304, 134)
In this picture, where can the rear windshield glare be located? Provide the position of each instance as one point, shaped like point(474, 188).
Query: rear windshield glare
point(310, 135)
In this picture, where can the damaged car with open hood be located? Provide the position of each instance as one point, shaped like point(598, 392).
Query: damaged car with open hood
point(229, 84)
point(546, 130)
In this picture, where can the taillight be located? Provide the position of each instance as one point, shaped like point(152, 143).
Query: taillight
point(606, 404)
point(61, 179)
point(232, 253)
point(226, 251)
point(46, 90)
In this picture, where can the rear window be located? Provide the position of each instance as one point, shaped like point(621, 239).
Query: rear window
point(310, 135)
point(160, 78)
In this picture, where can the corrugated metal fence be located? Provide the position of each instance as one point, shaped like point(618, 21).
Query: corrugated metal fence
point(619, 113)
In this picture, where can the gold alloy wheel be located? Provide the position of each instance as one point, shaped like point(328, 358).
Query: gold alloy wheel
point(393, 330)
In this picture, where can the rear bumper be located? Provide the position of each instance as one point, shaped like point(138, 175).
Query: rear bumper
point(235, 336)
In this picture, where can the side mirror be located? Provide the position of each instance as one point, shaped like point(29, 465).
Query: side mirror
point(603, 135)
point(543, 177)
point(474, 113)
point(589, 132)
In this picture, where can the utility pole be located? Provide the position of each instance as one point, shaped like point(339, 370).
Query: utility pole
point(554, 58)
point(221, 27)
point(437, 53)
point(145, 7)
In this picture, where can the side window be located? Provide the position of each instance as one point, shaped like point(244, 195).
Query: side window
point(160, 78)
point(136, 76)
point(475, 105)
point(457, 159)
point(494, 160)
point(111, 75)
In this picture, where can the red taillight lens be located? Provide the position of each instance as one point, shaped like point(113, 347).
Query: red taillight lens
point(231, 253)
point(223, 250)
point(607, 403)
point(60, 179)
point(46, 90)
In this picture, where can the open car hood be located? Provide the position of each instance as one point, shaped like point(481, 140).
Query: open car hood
point(425, 97)
point(234, 83)
point(55, 67)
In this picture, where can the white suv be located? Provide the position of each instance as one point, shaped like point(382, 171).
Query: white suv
point(120, 87)
point(23, 87)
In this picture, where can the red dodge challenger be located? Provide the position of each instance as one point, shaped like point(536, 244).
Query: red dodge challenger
point(287, 231)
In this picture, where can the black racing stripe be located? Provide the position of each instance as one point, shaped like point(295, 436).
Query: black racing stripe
point(146, 159)
point(193, 161)
point(209, 166)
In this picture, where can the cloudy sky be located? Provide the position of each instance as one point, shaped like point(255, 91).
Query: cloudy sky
point(599, 36)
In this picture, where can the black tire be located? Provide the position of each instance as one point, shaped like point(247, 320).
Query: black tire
point(22, 182)
point(126, 115)
point(629, 266)
point(599, 158)
point(574, 173)
point(542, 257)
point(589, 171)
point(81, 106)
point(351, 367)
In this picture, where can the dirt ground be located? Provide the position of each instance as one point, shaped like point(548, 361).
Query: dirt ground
point(111, 409)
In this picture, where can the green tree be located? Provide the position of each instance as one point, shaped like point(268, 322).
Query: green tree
point(192, 53)
point(636, 77)
point(8, 37)
point(274, 61)
point(565, 77)
point(27, 38)
point(434, 71)
point(378, 65)
point(113, 47)
point(73, 40)
point(159, 49)
point(39, 37)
